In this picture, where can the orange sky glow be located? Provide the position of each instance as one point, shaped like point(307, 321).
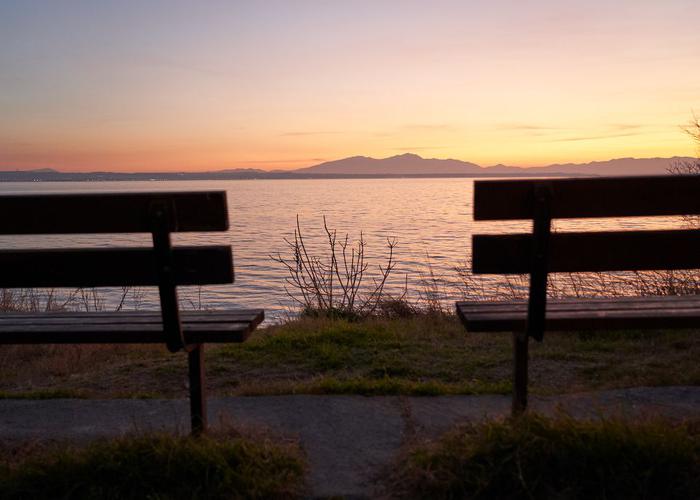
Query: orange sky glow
point(158, 86)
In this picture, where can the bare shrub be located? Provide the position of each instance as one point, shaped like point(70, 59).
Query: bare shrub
point(580, 285)
point(397, 306)
point(336, 283)
point(79, 299)
point(35, 300)
point(432, 291)
point(670, 282)
point(491, 288)
point(689, 166)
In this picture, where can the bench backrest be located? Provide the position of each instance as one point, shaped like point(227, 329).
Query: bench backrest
point(539, 252)
point(161, 265)
point(112, 213)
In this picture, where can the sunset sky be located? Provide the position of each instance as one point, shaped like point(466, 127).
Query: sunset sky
point(165, 85)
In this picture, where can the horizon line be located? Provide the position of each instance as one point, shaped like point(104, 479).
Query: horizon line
point(292, 170)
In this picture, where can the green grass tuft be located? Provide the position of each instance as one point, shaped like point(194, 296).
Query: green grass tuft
point(158, 467)
point(538, 458)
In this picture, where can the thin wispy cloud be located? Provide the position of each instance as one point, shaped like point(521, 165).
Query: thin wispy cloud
point(553, 133)
point(419, 148)
point(595, 137)
point(527, 126)
point(295, 160)
point(430, 126)
point(305, 133)
point(383, 134)
point(184, 66)
point(626, 126)
point(415, 127)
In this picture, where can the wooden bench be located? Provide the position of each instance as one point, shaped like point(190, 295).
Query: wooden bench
point(542, 252)
point(161, 265)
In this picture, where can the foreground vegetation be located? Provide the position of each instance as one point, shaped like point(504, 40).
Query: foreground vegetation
point(531, 457)
point(155, 466)
point(538, 458)
point(425, 354)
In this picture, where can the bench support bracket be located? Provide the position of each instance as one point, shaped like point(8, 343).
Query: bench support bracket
point(542, 222)
point(520, 361)
point(161, 215)
point(198, 400)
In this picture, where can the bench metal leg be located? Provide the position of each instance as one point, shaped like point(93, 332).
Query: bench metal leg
point(520, 359)
point(198, 400)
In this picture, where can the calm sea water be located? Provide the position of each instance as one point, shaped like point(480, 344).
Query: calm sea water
point(431, 219)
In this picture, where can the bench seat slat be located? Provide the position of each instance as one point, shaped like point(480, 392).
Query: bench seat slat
point(96, 328)
point(124, 318)
point(118, 314)
point(585, 314)
point(586, 304)
point(647, 299)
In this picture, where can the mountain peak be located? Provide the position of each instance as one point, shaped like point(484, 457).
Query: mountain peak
point(403, 164)
point(406, 156)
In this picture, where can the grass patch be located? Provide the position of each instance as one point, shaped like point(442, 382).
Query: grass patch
point(401, 386)
point(319, 356)
point(420, 355)
point(156, 466)
point(376, 387)
point(538, 458)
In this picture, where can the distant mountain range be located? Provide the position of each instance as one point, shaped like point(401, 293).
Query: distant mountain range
point(405, 165)
point(412, 164)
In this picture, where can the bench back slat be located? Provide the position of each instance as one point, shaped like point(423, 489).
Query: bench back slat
point(590, 197)
point(589, 252)
point(95, 267)
point(110, 212)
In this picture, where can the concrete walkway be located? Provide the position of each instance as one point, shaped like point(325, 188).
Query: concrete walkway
point(348, 439)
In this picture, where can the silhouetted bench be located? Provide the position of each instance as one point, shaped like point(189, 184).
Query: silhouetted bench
point(161, 265)
point(542, 252)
